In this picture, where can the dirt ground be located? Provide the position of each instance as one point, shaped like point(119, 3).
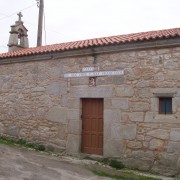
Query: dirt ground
point(22, 164)
point(17, 163)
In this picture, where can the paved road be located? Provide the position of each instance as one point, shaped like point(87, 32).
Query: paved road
point(22, 164)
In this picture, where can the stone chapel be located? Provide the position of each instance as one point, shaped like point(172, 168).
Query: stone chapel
point(116, 97)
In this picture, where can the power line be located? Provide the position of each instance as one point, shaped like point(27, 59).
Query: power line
point(8, 16)
point(3, 14)
point(47, 28)
point(27, 22)
point(35, 25)
point(3, 47)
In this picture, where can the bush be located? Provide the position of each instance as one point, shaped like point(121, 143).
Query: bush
point(21, 142)
point(40, 147)
point(113, 163)
point(105, 161)
point(30, 145)
point(116, 164)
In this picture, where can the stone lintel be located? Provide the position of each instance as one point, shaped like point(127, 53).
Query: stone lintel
point(165, 92)
point(93, 92)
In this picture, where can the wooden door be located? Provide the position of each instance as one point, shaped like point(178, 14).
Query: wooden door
point(92, 126)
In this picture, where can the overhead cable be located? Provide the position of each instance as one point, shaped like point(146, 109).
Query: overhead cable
point(8, 16)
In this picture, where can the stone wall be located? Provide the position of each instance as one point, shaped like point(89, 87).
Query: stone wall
point(40, 105)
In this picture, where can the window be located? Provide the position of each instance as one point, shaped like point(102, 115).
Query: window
point(165, 105)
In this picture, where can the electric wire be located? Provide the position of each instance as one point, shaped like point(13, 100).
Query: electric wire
point(2, 14)
point(3, 47)
point(8, 16)
point(45, 28)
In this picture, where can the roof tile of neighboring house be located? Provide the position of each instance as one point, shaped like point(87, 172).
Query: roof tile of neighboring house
point(112, 40)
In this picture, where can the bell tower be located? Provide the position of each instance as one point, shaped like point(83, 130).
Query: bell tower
point(18, 35)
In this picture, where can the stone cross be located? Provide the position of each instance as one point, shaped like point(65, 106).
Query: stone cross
point(20, 16)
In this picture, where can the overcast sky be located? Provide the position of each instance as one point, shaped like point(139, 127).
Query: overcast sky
point(70, 20)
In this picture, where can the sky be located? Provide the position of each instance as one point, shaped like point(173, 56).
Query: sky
point(71, 20)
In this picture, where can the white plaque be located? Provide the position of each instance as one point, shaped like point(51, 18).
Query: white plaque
point(94, 74)
point(85, 69)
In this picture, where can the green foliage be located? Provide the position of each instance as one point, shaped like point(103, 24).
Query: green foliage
point(113, 163)
point(21, 142)
point(2, 141)
point(130, 175)
point(105, 174)
point(105, 161)
point(123, 176)
point(5, 140)
point(30, 145)
point(40, 147)
point(116, 164)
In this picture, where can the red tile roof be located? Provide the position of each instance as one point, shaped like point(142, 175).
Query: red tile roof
point(112, 40)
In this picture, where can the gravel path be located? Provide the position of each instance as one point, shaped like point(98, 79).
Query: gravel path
point(22, 164)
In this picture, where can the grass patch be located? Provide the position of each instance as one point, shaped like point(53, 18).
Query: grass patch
point(105, 174)
point(6, 140)
point(113, 163)
point(116, 164)
point(3, 141)
point(21, 142)
point(123, 176)
point(40, 147)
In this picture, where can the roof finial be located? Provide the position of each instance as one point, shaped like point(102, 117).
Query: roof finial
point(20, 16)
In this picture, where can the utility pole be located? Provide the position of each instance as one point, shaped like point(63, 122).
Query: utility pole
point(40, 4)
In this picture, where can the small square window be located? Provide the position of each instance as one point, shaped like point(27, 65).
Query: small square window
point(165, 105)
